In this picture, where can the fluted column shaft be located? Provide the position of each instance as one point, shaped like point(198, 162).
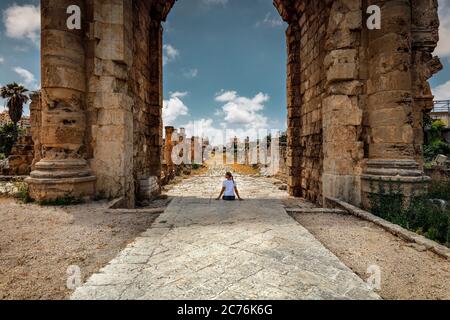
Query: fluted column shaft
point(390, 101)
point(63, 170)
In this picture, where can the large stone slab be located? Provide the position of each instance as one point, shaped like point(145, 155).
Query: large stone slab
point(201, 248)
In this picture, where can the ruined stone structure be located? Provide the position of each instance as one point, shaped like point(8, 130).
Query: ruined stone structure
point(355, 97)
point(21, 158)
point(194, 147)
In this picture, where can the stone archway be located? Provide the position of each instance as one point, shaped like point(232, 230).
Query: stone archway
point(355, 97)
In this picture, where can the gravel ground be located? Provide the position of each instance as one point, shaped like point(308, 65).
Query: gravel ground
point(38, 244)
point(408, 272)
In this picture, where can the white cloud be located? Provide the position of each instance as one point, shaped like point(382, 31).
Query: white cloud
point(243, 111)
point(174, 108)
point(226, 96)
point(169, 53)
point(28, 78)
point(2, 60)
point(23, 22)
point(239, 117)
point(190, 73)
point(221, 134)
point(205, 128)
point(178, 94)
point(271, 21)
point(443, 48)
point(442, 92)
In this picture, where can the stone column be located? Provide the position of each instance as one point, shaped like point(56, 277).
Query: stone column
point(294, 105)
point(63, 170)
point(35, 122)
point(155, 97)
point(247, 151)
point(110, 99)
point(390, 103)
point(425, 36)
point(193, 149)
point(342, 114)
point(168, 150)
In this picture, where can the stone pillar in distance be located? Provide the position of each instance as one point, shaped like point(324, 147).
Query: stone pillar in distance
point(390, 105)
point(168, 151)
point(63, 170)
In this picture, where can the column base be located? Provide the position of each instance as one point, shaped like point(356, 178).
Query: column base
point(58, 179)
point(400, 176)
point(149, 189)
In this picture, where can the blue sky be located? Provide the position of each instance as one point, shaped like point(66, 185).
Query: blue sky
point(19, 38)
point(225, 65)
point(225, 61)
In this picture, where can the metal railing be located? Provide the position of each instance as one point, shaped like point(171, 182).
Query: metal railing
point(441, 106)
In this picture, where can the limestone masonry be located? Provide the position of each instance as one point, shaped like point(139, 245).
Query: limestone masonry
point(356, 98)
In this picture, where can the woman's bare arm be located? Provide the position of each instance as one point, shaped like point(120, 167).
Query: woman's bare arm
point(237, 193)
point(221, 193)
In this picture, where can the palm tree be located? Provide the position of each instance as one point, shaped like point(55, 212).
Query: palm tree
point(16, 96)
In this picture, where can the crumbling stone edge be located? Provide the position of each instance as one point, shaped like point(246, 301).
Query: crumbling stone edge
point(13, 178)
point(390, 227)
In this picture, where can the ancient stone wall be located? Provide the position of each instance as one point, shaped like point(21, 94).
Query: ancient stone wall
point(101, 100)
point(343, 105)
point(425, 36)
point(21, 158)
point(312, 24)
point(109, 104)
point(145, 85)
point(356, 98)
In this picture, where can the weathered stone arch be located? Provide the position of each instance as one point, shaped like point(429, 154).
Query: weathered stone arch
point(355, 97)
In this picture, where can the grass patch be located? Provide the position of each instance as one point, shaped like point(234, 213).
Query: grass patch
point(23, 193)
point(439, 190)
point(423, 215)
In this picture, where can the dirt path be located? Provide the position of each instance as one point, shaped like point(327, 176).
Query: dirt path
point(408, 272)
point(38, 244)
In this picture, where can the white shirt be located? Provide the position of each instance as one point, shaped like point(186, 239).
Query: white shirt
point(229, 186)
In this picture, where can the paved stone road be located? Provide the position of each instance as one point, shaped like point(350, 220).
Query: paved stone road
point(201, 248)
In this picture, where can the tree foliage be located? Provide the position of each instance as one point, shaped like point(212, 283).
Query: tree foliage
point(436, 144)
point(9, 133)
point(16, 96)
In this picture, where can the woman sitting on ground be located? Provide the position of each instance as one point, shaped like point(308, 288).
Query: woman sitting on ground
point(229, 189)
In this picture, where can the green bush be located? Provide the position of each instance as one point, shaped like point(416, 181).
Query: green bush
point(23, 192)
point(432, 150)
point(196, 166)
point(436, 144)
point(421, 215)
point(439, 190)
point(9, 134)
